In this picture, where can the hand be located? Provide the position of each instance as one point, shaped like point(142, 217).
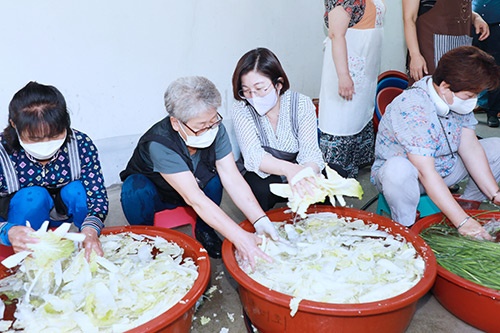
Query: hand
point(91, 242)
point(265, 227)
point(247, 248)
point(346, 87)
point(473, 229)
point(482, 28)
point(20, 237)
point(303, 181)
point(418, 67)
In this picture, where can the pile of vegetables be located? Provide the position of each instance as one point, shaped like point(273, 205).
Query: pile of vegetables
point(333, 186)
point(475, 260)
point(57, 290)
point(327, 258)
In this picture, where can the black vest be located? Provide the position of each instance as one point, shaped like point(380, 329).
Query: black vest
point(163, 133)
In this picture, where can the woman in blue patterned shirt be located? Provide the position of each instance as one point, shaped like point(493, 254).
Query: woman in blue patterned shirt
point(48, 171)
point(426, 141)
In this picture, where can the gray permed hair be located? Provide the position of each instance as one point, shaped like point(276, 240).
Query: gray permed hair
point(189, 96)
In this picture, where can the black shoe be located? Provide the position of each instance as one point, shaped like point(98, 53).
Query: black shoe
point(210, 241)
point(493, 121)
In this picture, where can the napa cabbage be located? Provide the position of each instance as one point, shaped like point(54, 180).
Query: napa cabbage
point(327, 258)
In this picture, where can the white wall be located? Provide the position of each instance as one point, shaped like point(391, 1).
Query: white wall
point(113, 59)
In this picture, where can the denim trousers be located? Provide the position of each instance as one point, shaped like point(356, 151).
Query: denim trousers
point(35, 205)
point(140, 200)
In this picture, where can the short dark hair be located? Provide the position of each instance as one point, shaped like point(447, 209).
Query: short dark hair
point(467, 68)
point(38, 110)
point(263, 61)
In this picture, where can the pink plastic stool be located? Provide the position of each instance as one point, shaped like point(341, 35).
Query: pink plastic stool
point(171, 218)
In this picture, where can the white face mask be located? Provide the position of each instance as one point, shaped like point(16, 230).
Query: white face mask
point(463, 106)
point(201, 141)
point(42, 150)
point(263, 104)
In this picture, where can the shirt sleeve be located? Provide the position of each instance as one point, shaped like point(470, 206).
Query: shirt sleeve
point(93, 181)
point(308, 134)
point(247, 137)
point(222, 143)
point(413, 128)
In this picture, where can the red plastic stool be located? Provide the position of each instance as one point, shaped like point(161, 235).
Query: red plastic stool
point(171, 218)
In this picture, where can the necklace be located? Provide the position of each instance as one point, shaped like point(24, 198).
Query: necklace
point(446, 137)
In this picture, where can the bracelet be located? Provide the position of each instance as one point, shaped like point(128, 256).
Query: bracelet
point(494, 196)
point(259, 219)
point(463, 222)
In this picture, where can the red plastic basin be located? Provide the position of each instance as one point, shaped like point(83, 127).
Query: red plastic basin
point(476, 305)
point(177, 319)
point(269, 310)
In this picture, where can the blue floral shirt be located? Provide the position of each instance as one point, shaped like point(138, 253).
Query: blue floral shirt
point(57, 173)
point(411, 125)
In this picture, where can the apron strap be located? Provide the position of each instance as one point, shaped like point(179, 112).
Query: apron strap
point(74, 158)
point(9, 172)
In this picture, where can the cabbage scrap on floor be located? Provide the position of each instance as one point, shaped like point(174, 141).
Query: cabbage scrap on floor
point(138, 278)
point(334, 186)
point(337, 260)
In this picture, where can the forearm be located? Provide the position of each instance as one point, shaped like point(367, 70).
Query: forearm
point(439, 193)
point(339, 54)
point(410, 12)
point(241, 194)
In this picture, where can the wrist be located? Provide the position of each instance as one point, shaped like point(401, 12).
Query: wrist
point(493, 197)
point(260, 218)
point(461, 224)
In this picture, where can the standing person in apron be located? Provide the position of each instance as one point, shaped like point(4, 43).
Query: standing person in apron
point(489, 10)
point(276, 128)
point(433, 27)
point(348, 84)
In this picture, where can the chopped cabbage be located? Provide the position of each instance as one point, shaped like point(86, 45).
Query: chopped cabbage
point(138, 278)
point(334, 186)
point(327, 258)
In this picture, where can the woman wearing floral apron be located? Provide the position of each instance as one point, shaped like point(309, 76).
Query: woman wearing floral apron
point(350, 68)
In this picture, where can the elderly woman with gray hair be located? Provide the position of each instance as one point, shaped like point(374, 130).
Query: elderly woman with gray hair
point(186, 159)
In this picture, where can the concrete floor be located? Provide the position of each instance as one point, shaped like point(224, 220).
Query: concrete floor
point(223, 306)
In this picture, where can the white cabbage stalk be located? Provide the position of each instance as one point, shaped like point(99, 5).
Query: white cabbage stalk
point(334, 186)
point(125, 288)
point(337, 260)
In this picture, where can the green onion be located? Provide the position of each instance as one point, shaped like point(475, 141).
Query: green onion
point(475, 260)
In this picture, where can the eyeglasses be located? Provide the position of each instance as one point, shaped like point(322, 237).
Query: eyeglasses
point(247, 93)
point(205, 129)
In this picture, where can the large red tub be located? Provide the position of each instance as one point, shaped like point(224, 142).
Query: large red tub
point(476, 305)
point(269, 310)
point(177, 319)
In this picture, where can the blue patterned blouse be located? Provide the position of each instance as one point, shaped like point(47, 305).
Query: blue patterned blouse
point(411, 125)
point(56, 173)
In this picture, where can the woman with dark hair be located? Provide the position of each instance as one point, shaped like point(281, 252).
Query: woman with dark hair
point(426, 142)
point(276, 128)
point(48, 171)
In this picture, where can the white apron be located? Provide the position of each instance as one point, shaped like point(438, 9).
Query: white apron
point(338, 116)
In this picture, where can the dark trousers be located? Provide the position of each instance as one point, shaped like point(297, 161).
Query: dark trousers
point(492, 46)
point(140, 200)
point(260, 188)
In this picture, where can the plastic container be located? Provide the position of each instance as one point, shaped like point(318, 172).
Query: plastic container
point(177, 319)
point(474, 304)
point(269, 310)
